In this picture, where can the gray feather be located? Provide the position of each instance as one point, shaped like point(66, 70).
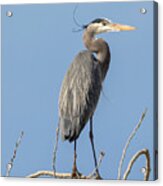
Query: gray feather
point(79, 95)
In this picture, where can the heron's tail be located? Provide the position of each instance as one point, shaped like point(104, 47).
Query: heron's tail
point(68, 129)
point(65, 125)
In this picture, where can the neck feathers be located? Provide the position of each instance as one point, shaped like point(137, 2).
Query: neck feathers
point(100, 47)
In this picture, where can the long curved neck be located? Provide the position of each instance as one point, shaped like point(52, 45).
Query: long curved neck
point(100, 47)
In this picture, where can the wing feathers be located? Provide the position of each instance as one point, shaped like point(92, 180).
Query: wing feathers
point(79, 95)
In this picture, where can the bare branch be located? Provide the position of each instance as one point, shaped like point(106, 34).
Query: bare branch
point(55, 149)
point(144, 152)
point(68, 175)
point(11, 163)
point(53, 173)
point(56, 175)
point(49, 173)
point(102, 154)
point(81, 176)
point(128, 143)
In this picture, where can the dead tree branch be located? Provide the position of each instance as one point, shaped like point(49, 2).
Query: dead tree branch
point(133, 133)
point(102, 154)
point(49, 173)
point(144, 152)
point(55, 150)
point(68, 175)
point(11, 163)
point(56, 175)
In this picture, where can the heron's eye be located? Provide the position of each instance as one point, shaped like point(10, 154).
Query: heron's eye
point(104, 24)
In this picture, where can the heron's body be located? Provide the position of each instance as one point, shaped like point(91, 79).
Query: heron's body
point(79, 94)
point(82, 84)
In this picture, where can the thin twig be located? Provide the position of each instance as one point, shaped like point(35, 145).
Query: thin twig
point(102, 154)
point(55, 150)
point(144, 152)
point(128, 143)
point(11, 163)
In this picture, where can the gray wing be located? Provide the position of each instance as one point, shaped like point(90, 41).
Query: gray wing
point(79, 95)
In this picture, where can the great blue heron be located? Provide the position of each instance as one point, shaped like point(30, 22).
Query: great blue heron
point(82, 84)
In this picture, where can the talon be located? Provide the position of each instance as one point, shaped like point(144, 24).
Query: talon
point(98, 177)
point(74, 170)
point(75, 173)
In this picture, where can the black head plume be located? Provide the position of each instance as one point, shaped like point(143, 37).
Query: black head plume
point(97, 20)
point(82, 27)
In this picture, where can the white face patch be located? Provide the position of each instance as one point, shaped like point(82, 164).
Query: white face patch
point(104, 26)
point(103, 29)
point(99, 28)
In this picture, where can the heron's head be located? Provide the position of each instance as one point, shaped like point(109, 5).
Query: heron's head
point(102, 25)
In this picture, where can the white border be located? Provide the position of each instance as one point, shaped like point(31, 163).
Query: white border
point(60, 1)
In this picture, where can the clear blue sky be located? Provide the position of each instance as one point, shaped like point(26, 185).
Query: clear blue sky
point(38, 46)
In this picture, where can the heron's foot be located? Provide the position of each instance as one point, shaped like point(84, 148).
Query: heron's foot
point(75, 173)
point(96, 175)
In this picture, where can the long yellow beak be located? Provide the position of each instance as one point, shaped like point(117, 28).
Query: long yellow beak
point(120, 27)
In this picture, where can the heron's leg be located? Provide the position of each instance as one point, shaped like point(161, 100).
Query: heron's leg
point(75, 172)
point(92, 144)
point(75, 156)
